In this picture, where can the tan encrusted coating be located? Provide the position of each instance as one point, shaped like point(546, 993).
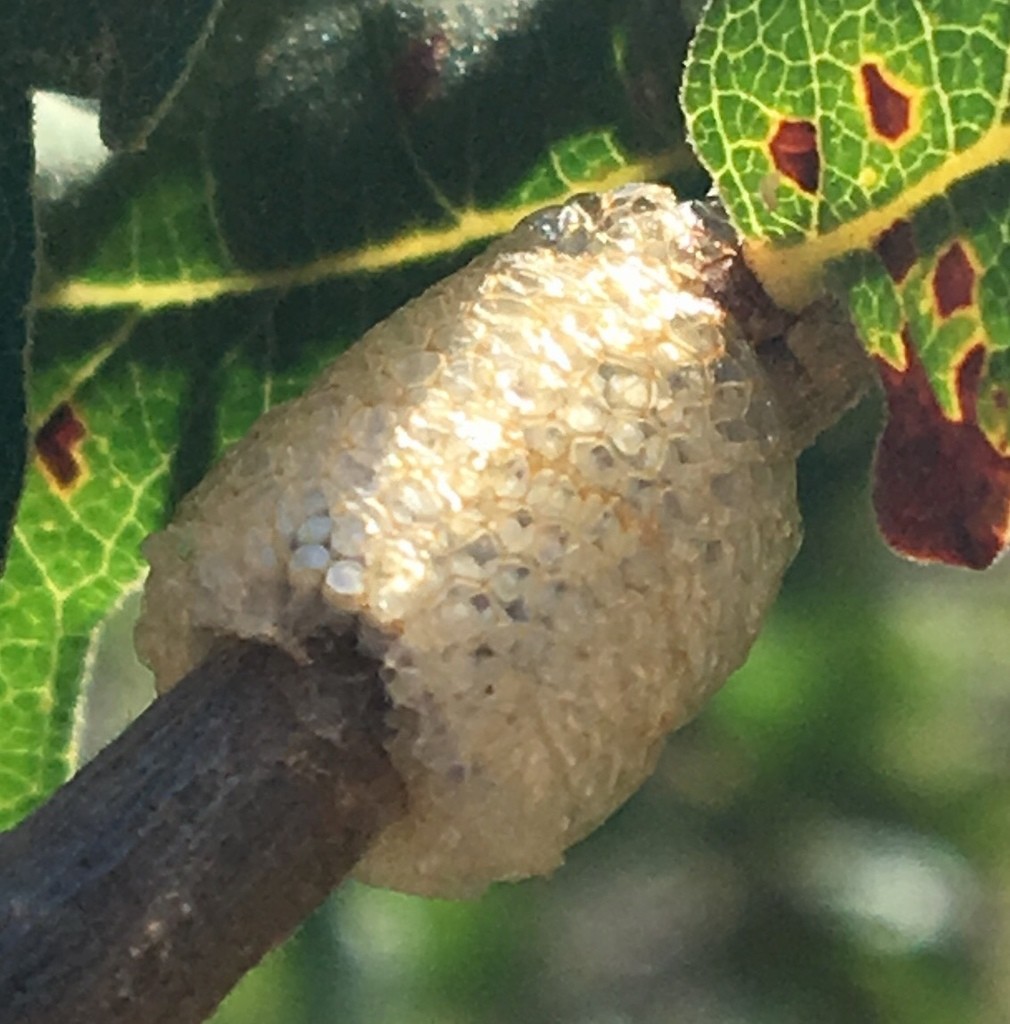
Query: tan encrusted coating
point(551, 493)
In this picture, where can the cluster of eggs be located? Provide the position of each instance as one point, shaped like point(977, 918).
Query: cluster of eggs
point(552, 496)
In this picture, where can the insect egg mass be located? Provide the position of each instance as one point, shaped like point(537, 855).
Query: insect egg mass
point(552, 495)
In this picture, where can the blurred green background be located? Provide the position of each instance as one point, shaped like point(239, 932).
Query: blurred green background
point(827, 841)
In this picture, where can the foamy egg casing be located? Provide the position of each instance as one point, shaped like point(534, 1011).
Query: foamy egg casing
point(552, 495)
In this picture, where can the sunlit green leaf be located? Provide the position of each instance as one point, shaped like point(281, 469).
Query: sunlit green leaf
point(865, 145)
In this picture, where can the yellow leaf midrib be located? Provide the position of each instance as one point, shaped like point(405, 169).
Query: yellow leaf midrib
point(470, 226)
point(793, 274)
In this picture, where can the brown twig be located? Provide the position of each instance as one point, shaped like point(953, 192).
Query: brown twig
point(815, 362)
point(146, 887)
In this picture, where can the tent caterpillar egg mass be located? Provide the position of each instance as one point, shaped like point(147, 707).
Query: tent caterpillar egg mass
point(552, 494)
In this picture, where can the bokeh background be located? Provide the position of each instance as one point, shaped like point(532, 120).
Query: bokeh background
point(828, 841)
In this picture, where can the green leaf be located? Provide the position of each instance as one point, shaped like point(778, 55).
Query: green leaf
point(315, 172)
point(153, 46)
point(864, 147)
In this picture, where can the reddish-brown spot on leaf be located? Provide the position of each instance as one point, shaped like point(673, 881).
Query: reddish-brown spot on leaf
point(794, 152)
point(896, 249)
point(890, 109)
point(953, 281)
point(56, 444)
point(417, 71)
point(941, 491)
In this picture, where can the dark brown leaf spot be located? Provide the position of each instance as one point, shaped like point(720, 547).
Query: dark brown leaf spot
point(941, 491)
point(953, 281)
point(890, 109)
point(56, 444)
point(896, 249)
point(417, 72)
point(794, 152)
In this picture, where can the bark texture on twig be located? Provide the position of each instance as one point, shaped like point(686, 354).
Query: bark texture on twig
point(816, 364)
point(146, 887)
